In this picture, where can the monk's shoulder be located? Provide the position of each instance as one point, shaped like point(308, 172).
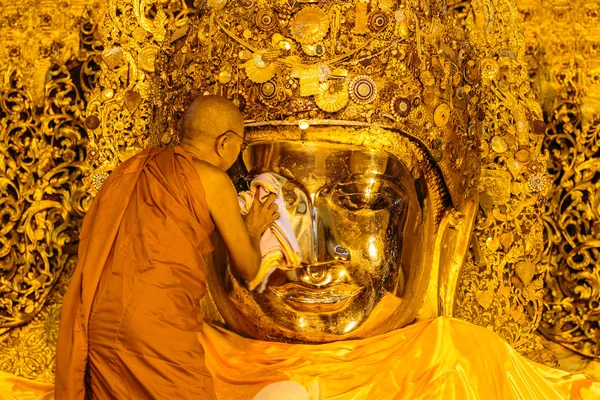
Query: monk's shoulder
point(213, 179)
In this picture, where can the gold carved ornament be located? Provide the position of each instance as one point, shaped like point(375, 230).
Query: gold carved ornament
point(50, 67)
point(563, 42)
point(502, 284)
point(118, 111)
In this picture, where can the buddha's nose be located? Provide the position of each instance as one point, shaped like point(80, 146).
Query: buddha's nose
point(318, 235)
point(321, 271)
point(324, 273)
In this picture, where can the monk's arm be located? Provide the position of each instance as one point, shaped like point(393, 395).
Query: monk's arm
point(242, 239)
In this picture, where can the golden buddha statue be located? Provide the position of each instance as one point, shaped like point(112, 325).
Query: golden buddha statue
point(367, 112)
point(369, 115)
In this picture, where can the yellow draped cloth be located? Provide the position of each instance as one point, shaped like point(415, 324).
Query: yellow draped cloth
point(440, 359)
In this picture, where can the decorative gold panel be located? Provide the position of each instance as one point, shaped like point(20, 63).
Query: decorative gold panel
point(48, 66)
point(563, 49)
point(502, 281)
point(119, 111)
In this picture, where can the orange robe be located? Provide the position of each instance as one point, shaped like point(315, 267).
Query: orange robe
point(131, 314)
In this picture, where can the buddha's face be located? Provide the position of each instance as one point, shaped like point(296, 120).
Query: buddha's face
point(361, 222)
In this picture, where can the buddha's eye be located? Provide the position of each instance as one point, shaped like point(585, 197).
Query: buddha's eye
point(368, 194)
point(290, 194)
point(295, 199)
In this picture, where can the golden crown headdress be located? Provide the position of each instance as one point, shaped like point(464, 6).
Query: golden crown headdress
point(380, 65)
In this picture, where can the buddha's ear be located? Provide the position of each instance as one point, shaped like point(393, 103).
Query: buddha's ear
point(451, 248)
point(221, 144)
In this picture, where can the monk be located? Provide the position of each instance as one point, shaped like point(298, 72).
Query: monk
point(131, 316)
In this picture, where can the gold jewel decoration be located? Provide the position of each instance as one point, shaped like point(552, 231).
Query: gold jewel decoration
point(363, 89)
point(314, 49)
point(92, 122)
point(489, 68)
point(399, 16)
point(324, 72)
point(332, 97)
point(113, 57)
point(378, 21)
point(498, 144)
point(225, 75)
point(132, 101)
point(146, 58)
point(400, 107)
point(309, 25)
point(259, 71)
point(537, 182)
point(268, 90)
point(441, 115)
point(266, 20)
point(309, 82)
point(523, 155)
point(98, 179)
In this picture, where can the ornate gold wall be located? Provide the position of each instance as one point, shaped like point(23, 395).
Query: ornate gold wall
point(48, 65)
point(61, 132)
point(563, 49)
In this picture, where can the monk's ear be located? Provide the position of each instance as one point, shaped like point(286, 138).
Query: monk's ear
point(220, 145)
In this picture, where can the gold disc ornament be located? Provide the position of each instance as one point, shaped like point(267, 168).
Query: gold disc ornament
point(363, 89)
point(400, 107)
point(147, 57)
point(259, 71)
point(266, 20)
point(309, 25)
point(331, 97)
point(441, 115)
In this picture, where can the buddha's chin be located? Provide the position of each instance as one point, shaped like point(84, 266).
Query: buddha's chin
point(305, 315)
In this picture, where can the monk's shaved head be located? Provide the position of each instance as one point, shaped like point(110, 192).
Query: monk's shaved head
point(210, 116)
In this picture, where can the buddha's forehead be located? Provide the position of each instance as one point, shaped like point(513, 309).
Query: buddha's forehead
point(305, 162)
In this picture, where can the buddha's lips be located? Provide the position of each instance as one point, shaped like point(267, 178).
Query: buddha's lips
point(319, 299)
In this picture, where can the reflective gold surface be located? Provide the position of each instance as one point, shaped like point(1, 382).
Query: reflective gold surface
point(362, 221)
point(378, 250)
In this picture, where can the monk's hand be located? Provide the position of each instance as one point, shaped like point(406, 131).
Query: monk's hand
point(261, 215)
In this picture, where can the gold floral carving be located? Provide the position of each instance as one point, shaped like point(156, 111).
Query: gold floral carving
point(118, 111)
point(502, 281)
point(563, 42)
point(49, 66)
